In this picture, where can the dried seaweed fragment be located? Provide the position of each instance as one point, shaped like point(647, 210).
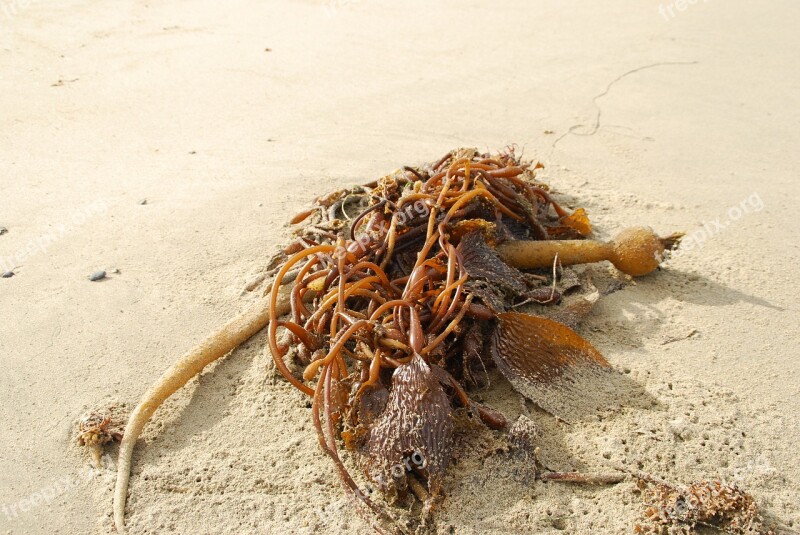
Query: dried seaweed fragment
point(522, 438)
point(99, 428)
point(579, 221)
point(578, 301)
point(481, 262)
point(677, 509)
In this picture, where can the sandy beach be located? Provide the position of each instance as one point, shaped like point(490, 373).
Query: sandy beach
point(168, 145)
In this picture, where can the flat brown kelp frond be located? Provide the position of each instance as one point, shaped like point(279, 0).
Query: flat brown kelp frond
point(548, 363)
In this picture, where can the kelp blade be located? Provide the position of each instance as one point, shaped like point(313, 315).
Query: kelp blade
point(552, 365)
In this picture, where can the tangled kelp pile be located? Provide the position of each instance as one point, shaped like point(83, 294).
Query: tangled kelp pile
point(395, 331)
point(395, 298)
point(396, 313)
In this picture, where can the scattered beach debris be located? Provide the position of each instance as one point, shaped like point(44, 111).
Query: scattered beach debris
point(681, 509)
point(62, 82)
point(99, 428)
point(669, 339)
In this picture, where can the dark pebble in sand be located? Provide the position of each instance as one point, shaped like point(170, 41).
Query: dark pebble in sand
point(97, 276)
point(8, 274)
point(3, 230)
point(143, 201)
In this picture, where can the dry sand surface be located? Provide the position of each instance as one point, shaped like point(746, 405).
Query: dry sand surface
point(229, 117)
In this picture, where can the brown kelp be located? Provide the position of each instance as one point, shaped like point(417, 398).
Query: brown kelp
point(395, 297)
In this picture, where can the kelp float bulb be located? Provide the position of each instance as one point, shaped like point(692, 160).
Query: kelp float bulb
point(635, 251)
